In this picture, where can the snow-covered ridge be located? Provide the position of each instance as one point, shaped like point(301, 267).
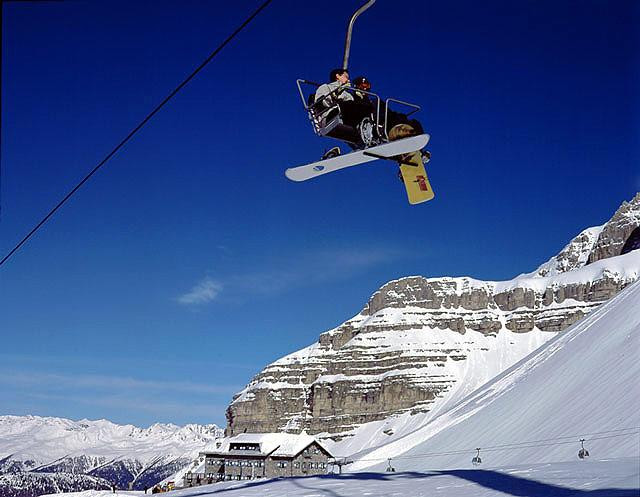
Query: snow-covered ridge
point(41, 454)
point(624, 268)
point(45, 439)
point(574, 255)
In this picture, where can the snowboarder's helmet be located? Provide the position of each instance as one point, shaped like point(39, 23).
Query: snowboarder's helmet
point(362, 83)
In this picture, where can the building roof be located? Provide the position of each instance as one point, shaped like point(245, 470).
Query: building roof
point(273, 444)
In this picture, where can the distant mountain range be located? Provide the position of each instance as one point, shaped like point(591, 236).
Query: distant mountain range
point(41, 455)
point(420, 344)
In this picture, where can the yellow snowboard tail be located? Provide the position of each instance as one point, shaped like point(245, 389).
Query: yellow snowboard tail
point(415, 178)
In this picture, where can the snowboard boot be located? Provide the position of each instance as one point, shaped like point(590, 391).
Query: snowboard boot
point(366, 132)
point(400, 131)
point(331, 153)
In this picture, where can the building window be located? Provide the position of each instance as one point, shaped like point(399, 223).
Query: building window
point(304, 465)
point(296, 465)
point(322, 465)
point(282, 464)
point(236, 446)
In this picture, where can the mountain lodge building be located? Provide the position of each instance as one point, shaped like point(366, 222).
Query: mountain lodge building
point(262, 455)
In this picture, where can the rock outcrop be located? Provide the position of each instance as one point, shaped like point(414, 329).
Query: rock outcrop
point(420, 344)
point(617, 231)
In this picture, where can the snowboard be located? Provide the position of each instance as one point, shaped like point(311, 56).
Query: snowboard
point(385, 151)
point(415, 179)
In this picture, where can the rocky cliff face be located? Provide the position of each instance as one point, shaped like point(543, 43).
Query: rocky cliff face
point(617, 231)
point(420, 344)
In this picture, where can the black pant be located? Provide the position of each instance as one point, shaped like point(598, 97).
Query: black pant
point(354, 112)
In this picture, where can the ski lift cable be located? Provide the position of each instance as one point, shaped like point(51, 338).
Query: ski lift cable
point(569, 438)
point(136, 129)
point(521, 445)
point(516, 446)
point(468, 451)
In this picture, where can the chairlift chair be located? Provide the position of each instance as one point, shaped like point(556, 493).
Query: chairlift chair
point(366, 135)
point(477, 460)
point(326, 118)
point(583, 453)
point(390, 469)
point(325, 115)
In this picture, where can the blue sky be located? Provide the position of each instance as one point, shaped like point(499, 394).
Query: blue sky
point(189, 262)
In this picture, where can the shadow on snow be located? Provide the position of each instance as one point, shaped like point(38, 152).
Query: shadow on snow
point(501, 482)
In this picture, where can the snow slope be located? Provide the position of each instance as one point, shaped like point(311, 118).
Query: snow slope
point(486, 355)
point(611, 478)
point(582, 383)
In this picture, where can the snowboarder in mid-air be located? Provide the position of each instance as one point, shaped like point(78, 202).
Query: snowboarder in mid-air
point(359, 113)
point(365, 123)
point(358, 117)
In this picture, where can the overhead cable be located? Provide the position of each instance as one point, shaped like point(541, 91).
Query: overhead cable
point(135, 130)
point(601, 435)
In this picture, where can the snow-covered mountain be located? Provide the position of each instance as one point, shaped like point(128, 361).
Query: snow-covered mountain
point(527, 422)
point(22, 484)
point(38, 453)
point(421, 344)
point(581, 384)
